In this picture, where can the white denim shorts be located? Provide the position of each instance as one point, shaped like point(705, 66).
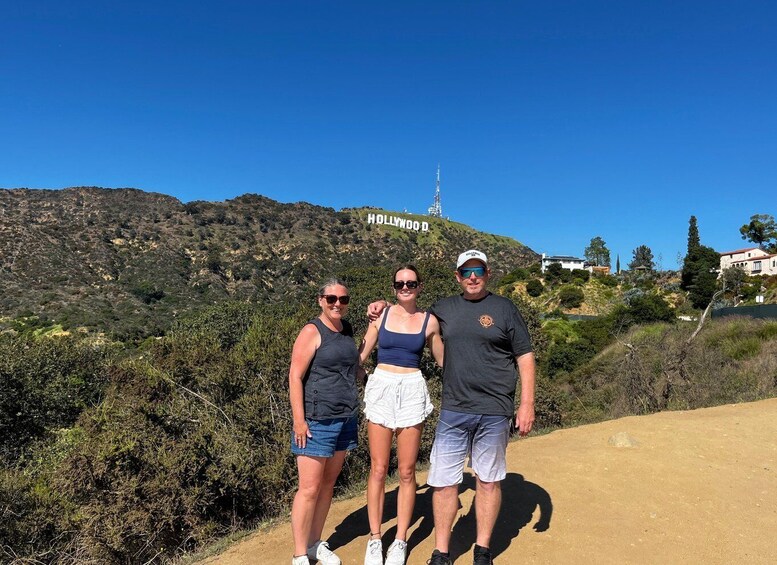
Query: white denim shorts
point(396, 400)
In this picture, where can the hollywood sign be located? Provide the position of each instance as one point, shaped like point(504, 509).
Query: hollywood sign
point(402, 223)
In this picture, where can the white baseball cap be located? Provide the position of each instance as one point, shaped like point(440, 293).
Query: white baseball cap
point(472, 254)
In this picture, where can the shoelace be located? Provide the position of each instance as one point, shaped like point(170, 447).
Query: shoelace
point(375, 547)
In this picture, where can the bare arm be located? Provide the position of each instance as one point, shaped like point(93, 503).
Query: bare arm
point(369, 341)
point(527, 370)
point(434, 340)
point(302, 354)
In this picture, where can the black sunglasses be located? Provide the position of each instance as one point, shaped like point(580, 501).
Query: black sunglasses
point(410, 284)
point(331, 299)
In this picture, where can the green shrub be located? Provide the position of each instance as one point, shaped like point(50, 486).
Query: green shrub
point(567, 356)
point(35, 523)
point(581, 275)
point(651, 308)
point(570, 296)
point(519, 274)
point(607, 280)
point(560, 330)
point(555, 273)
point(45, 383)
point(534, 288)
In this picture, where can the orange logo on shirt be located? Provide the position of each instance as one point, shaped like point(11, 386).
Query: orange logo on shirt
point(486, 321)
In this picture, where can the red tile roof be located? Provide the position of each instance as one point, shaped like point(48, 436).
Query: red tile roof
point(740, 251)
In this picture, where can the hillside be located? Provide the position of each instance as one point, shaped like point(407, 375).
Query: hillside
point(130, 262)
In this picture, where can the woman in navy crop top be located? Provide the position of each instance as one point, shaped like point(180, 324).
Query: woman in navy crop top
point(396, 403)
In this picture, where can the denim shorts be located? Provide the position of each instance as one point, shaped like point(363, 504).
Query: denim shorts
point(330, 435)
point(484, 438)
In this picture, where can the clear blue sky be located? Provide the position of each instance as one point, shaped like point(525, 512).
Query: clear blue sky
point(553, 121)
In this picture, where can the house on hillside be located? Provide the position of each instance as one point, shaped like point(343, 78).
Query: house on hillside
point(567, 262)
point(752, 260)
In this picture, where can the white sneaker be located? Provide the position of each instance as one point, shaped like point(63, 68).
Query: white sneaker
point(397, 553)
point(301, 560)
point(374, 553)
point(320, 551)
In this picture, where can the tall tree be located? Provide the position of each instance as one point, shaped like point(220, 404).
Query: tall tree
point(699, 275)
point(761, 230)
point(693, 235)
point(618, 263)
point(597, 253)
point(643, 257)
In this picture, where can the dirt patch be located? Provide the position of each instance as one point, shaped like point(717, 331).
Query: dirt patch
point(675, 487)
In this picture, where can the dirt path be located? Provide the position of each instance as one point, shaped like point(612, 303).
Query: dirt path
point(696, 487)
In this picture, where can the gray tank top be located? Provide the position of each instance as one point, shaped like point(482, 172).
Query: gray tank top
point(330, 382)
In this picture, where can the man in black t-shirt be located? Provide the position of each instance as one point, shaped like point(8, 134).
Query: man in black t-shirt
point(485, 339)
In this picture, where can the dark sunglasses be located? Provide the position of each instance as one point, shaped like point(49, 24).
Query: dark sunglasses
point(466, 272)
point(331, 299)
point(410, 284)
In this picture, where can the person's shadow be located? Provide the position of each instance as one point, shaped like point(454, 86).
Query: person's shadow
point(520, 498)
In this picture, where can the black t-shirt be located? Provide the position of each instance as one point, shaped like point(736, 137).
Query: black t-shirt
point(482, 339)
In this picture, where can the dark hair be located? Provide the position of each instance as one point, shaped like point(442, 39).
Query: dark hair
point(407, 267)
point(330, 282)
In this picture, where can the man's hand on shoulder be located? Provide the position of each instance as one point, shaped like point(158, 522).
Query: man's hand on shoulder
point(375, 308)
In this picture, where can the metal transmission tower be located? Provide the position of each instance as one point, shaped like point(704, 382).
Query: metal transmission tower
point(435, 209)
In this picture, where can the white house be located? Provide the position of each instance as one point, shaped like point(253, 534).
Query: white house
point(751, 260)
point(567, 262)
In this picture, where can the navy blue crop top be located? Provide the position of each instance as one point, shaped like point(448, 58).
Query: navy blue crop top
point(402, 350)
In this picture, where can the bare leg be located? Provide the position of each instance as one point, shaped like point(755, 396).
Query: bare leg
point(331, 471)
point(488, 500)
point(445, 503)
point(380, 451)
point(408, 443)
point(311, 472)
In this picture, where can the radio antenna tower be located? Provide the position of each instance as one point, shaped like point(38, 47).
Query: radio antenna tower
point(435, 210)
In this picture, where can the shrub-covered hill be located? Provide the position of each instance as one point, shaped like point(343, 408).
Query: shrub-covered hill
point(130, 262)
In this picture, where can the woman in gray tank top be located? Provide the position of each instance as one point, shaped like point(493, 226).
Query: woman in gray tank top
point(324, 406)
point(396, 403)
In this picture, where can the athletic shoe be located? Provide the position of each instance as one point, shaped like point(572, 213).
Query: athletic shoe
point(374, 553)
point(397, 553)
point(482, 556)
point(301, 560)
point(320, 551)
point(439, 558)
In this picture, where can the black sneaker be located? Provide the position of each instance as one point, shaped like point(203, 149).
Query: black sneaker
point(439, 558)
point(482, 556)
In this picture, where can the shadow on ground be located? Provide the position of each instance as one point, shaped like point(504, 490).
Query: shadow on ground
point(520, 499)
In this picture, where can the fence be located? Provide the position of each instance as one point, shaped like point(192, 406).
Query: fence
point(765, 311)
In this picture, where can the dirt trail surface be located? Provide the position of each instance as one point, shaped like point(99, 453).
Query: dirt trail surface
point(675, 487)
